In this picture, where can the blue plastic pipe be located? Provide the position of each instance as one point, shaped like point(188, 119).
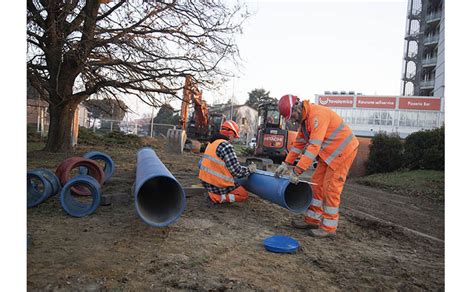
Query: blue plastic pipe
point(159, 198)
point(294, 197)
point(109, 167)
point(76, 206)
point(42, 183)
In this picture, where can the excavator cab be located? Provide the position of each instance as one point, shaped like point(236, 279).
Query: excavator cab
point(273, 137)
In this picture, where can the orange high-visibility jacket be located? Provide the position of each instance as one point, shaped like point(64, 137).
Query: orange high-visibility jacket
point(213, 169)
point(326, 135)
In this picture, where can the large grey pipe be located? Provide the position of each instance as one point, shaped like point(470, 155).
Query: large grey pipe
point(159, 198)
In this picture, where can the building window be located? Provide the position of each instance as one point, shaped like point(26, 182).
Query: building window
point(408, 119)
point(386, 118)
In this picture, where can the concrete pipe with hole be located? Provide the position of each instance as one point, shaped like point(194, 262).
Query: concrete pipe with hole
point(159, 198)
point(64, 170)
point(109, 167)
point(279, 190)
point(80, 206)
point(41, 184)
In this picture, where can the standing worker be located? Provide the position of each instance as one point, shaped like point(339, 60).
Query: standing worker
point(324, 134)
point(219, 166)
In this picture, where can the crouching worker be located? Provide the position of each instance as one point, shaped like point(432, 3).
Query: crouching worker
point(219, 166)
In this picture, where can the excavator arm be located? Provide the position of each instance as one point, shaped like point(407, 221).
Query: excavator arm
point(191, 94)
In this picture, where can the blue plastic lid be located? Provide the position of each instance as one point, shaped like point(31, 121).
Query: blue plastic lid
point(281, 243)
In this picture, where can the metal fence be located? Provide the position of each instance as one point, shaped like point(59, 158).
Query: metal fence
point(40, 126)
point(131, 127)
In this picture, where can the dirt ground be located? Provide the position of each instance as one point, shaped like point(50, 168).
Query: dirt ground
point(221, 248)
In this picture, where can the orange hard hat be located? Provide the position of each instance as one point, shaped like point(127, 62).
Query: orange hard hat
point(286, 103)
point(228, 127)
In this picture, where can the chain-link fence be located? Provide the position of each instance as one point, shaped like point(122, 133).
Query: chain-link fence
point(138, 128)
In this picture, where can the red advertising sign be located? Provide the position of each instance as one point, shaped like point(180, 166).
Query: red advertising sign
point(376, 102)
point(336, 101)
point(419, 103)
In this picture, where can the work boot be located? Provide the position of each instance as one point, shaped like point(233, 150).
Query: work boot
point(301, 224)
point(320, 233)
point(211, 204)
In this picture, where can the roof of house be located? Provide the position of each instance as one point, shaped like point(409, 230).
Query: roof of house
point(225, 107)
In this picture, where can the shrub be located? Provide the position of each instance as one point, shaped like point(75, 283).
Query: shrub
point(386, 153)
point(31, 134)
point(115, 138)
point(425, 150)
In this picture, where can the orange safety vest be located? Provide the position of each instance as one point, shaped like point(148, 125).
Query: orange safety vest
point(325, 134)
point(213, 169)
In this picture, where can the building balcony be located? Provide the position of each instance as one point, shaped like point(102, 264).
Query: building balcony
point(429, 62)
point(408, 77)
point(415, 14)
point(433, 17)
point(411, 56)
point(412, 36)
point(431, 40)
point(427, 84)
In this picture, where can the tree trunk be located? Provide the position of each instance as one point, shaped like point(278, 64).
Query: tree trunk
point(60, 127)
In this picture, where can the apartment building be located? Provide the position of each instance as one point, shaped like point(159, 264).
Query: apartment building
point(423, 58)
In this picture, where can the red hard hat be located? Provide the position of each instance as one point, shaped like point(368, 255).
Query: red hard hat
point(285, 105)
point(228, 127)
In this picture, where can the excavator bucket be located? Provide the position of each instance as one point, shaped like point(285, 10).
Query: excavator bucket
point(176, 140)
point(193, 145)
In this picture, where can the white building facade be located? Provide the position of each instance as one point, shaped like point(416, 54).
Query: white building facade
point(369, 114)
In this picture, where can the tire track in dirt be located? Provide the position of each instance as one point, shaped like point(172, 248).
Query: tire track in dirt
point(416, 213)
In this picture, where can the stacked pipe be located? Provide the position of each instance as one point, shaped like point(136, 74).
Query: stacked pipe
point(43, 183)
point(159, 198)
point(86, 184)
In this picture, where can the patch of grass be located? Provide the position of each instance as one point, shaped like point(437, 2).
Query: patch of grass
point(32, 135)
point(428, 183)
point(243, 150)
point(115, 138)
point(34, 146)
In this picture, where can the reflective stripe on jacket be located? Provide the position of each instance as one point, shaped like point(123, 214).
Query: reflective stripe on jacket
point(213, 169)
point(323, 133)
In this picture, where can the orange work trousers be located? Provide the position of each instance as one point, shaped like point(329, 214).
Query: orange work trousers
point(238, 195)
point(324, 209)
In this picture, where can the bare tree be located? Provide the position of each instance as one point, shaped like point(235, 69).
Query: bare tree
point(78, 48)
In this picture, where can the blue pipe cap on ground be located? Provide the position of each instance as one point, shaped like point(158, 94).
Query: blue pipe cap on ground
point(159, 198)
point(80, 206)
point(294, 197)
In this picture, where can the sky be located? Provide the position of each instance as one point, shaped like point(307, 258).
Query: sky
point(305, 48)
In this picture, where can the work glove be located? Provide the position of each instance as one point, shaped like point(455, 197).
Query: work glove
point(281, 170)
point(252, 167)
point(294, 178)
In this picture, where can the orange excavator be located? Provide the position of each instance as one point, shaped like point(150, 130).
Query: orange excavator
point(195, 134)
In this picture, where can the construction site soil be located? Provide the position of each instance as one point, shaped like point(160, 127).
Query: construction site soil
point(385, 241)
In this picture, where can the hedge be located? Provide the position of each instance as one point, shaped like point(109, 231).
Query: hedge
point(420, 150)
point(386, 153)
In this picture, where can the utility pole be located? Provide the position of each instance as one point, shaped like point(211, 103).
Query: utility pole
point(232, 99)
point(152, 114)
